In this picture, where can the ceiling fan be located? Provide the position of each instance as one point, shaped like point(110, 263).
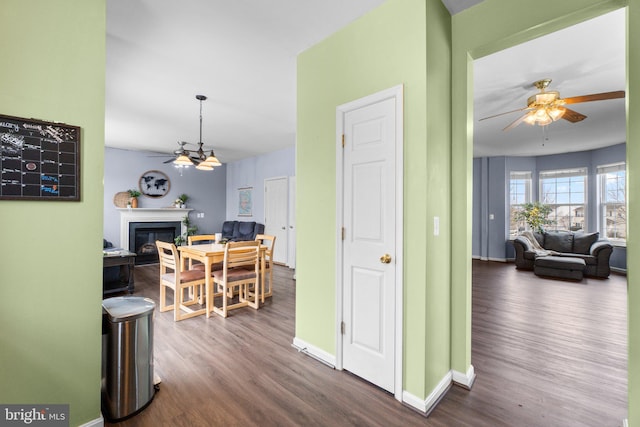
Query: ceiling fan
point(546, 107)
point(183, 157)
point(179, 151)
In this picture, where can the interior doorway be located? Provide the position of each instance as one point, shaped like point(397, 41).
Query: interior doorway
point(483, 215)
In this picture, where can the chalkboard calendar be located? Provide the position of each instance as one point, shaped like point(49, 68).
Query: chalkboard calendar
point(39, 160)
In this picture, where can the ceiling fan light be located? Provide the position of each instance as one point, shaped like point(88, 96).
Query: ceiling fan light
point(556, 113)
point(183, 160)
point(212, 160)
point(541, 113)
point(204, 167)
point(530, 119)
point(544, 120)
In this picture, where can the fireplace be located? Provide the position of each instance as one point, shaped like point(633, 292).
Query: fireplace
point(150, 218)
point(143, 236)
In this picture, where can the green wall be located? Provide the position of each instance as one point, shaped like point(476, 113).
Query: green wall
point(489, 27)
point(53, 68)
point(402, 42)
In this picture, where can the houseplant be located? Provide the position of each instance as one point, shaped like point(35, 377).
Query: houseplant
point(191, 230)
point(134, 194)
point(535, 215)
point(181, 201)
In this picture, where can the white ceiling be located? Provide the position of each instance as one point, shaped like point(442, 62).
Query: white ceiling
point(584, 59)
point(241, 54)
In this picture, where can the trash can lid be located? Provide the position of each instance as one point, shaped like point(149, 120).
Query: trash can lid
point(127, 308)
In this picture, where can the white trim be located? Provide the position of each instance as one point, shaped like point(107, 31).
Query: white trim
point(464, 380)
point(98, 422)
point(264, 212)
point(618, 270)
point(315, 352)
point(396, 93)
point(625, 423)
point(432, 400)
point(149, 215)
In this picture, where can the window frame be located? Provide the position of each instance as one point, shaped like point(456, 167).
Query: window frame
point(602, 172)
point(580, 172)
point(527, 177)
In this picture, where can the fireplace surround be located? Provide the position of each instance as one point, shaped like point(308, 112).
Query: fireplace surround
point(152, 220)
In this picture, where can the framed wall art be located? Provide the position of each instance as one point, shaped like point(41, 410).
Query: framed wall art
point(39, 160)
point(245, 202)
point(154, 184)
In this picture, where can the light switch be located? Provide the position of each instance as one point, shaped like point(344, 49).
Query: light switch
point(492, 217)
point(436, 226)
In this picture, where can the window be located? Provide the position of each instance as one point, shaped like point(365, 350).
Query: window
point(565, 191)
point(519, 194)
point(613, 207)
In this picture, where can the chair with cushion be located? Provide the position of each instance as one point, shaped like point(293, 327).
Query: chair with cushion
point(240, 269)
point(171, 277)
point(268, 241)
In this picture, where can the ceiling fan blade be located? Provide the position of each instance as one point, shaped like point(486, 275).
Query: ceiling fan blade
point(170, 160)
point(502, 114)
point(516, 122)
point(595, 97)
point(573, 116)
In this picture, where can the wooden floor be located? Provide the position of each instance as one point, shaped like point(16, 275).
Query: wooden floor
point(546, 353)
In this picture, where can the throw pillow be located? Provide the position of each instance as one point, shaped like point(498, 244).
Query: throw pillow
point(559, 241)
point(582, 242)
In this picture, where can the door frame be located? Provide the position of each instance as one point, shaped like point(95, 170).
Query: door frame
point(287, 231)
point(395, 93)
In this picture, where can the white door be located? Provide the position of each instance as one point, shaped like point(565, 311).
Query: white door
point(369, 245)
point(276, 206)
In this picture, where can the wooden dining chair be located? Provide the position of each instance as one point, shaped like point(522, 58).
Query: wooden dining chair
point(240, 269)
point(268, 241)
point(171, 277)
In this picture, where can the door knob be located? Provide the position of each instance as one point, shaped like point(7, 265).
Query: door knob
point(385, 259)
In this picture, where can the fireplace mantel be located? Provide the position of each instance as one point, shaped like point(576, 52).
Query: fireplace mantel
point(148, 215)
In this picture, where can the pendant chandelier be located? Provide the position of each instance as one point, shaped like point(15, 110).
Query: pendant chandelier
point(199, 158)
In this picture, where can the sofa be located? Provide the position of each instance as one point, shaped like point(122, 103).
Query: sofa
point(563, 254)
point(233, 231)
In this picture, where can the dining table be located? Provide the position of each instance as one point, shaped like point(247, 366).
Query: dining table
point(213, 253)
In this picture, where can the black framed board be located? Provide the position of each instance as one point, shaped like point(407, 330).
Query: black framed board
point(39, 160)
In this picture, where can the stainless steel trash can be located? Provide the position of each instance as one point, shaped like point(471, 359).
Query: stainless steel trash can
point(127, 356)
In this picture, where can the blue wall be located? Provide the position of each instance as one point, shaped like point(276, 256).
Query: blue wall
point(206, 189)
point(252, 172)
point(213, 193)
point(491, 196)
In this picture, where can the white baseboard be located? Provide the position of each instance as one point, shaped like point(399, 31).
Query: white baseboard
point(98, 422)
point(619, 270)
point(315, 352)
point(625, 423)
point(428, 404)
point(464, 380)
